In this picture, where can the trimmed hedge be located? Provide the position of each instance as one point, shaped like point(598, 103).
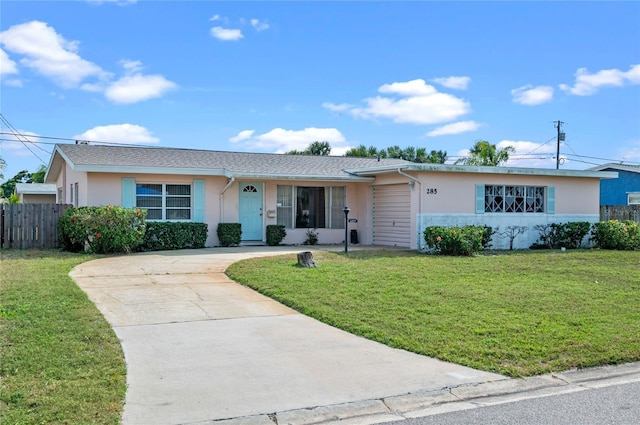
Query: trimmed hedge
point(466, 240)
point(275, 234)
point(229, 234)
point(106, 229)
point(174, 235)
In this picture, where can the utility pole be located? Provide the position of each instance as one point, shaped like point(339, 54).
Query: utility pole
point(560, 138)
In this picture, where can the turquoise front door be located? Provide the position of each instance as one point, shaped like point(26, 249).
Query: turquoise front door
point(250, 207)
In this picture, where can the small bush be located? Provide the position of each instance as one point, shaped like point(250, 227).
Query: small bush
point(106, 229)
point(487, 235)
point(312, 237)
point(174, 235)
point(275, 234)
point(465, 240)
point(561, 235)
point(569, 235)
point(614, 234)
point(229, 234)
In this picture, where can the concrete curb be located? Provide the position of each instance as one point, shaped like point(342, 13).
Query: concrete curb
point(466, 396)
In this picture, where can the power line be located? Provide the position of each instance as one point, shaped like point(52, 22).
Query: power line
point(18, 135)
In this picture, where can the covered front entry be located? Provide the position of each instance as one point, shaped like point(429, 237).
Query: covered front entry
point(250, 207)
point(392, 215)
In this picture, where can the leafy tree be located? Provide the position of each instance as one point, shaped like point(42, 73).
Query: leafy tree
point(38, 175)
point(436, 157)
point(9, 187)
point(319, 148)
point(410, 153)
point(484, 153)
point(365, 152)
point(315, 148)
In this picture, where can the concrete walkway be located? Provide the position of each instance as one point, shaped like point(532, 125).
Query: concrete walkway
point(200, 348)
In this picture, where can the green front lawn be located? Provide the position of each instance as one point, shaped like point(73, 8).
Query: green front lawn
point(518, 314)
point(60, 362)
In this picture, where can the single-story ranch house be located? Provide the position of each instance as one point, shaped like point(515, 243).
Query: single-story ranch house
point(392, 200)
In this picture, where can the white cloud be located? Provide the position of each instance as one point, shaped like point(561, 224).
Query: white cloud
point(13, 83)
point(458, 83)
point(49, 54)
point(7, 66)
point(134, 86)
point(529, 95)
point(412, 102)
point(531, 154)
point(137, 88)
point(587, 84)
point(409, 88)
point(455, 128)
point(258, 25)
point(131, 66)
point(280, 140)
point(118, 133)
point(226, 34)
point(337, 107)
point(243, 135)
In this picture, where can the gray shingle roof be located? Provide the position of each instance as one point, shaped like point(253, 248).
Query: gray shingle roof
point(241, 163)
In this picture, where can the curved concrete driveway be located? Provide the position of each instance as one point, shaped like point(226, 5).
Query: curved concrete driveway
point(200, 348)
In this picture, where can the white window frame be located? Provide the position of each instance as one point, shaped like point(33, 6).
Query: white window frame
point(633, 198)
point(286, 203)
point(163, 208)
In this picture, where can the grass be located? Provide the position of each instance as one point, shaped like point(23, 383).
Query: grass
point(61, 362)
point(518, 314)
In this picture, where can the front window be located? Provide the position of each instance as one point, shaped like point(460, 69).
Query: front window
point(164, 201)
point(311, 207)
point(513, 199)
point(633, 198)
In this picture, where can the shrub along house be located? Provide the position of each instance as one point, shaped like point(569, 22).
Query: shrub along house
point(392, 200)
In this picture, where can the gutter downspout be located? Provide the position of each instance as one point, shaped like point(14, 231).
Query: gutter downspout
point(228, 185)
point(415, 180)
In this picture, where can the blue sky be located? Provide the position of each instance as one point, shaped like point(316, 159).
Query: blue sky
point(276, 76)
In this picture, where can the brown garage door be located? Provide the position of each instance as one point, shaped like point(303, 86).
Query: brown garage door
point(392, 215)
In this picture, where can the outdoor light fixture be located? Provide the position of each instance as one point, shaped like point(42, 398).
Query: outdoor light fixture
point(346, 228)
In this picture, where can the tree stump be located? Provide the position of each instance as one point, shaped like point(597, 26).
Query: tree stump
point(305, 259)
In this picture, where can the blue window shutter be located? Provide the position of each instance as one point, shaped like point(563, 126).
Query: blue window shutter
point(128, 192)
point(551, 200)
point(479, 199)
point(198, 201)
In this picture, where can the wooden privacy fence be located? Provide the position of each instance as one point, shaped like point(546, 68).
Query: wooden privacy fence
point(30, 226)
point(620, 212)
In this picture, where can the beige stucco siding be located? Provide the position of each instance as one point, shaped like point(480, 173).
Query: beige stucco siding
point(31, 198)
point(455, 192)
point(356, 197)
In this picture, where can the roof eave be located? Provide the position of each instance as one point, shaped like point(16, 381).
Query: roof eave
point(452, 168)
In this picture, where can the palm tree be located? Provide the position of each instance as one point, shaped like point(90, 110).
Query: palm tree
point(484, 153)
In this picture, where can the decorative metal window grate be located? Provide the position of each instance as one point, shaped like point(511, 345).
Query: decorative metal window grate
point(513, 199)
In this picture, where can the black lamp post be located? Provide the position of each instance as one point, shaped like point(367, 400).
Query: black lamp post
point(346, 228)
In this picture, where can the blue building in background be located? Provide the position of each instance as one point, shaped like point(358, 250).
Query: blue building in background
point(625, 190)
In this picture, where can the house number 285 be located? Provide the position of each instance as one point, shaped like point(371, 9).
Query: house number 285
point(432, 191)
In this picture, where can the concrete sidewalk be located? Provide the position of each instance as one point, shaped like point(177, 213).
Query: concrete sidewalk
point(200, 349)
